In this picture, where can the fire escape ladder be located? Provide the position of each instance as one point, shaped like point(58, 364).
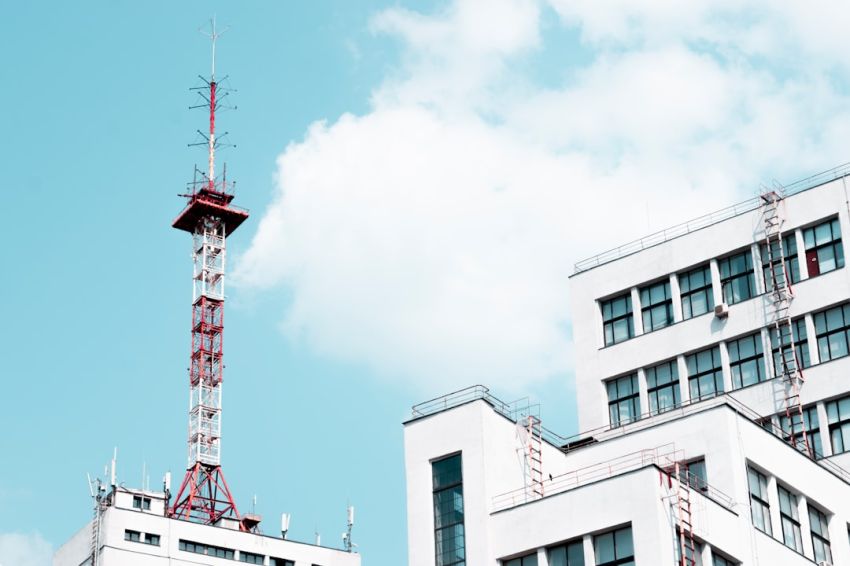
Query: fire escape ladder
point(684, 516)
point(781, 295)
point(534, 439)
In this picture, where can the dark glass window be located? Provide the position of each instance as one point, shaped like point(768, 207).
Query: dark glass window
point(206, 549)
point(614, 548)
point(280, 562)
point(737, 277)
point(693, 473)
point(656, 306)
point(838, 415)
point(140, 502)
point(623, 400)
point(824, 251)
point(809, 424)
point(705, 373)
point(695, 289)
point(449, 536)
point(780, 343)
point(570, 554)
point(792, 262)
point(151, 539)
point(250, 557)
point(832, 330)
point(790, 518)
point(720, 561)
point(746, 361)
point(758, 501)
point(617, 322)
point(662, 382)
point(134, 536)
point(820, 535)
point(528, 560)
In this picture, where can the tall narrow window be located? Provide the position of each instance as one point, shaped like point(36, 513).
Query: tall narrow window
point(705, 373)
point(746, 361)
point(617, 320)
point(623, 400)
point(838, 414)
point(570, 554)
point(695, 288)
point(758, 501)
point(780, 344)
point(527, 560)
point(789, 515)
point(449, 533)
point(656, 306)
point(810, 424)
point(792, 262)
point(737, 277)
point(662, 382)
point(614, 548)
point(832, 329)
point(824, 251)
point(820, 535)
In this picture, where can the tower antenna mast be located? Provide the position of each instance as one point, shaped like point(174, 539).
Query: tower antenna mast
point(210, 217)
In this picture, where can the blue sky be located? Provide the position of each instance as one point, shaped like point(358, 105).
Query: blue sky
point(421, 176)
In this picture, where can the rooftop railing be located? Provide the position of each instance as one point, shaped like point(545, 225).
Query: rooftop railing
point(707, 220)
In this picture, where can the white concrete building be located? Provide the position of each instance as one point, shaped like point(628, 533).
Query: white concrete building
point(677, 359)
point(134, 531)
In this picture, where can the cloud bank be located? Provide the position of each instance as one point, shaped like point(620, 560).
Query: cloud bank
point(431, 238)
point(18, 549)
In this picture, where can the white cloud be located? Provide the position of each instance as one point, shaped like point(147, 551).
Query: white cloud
point(432, 237)
point(18, 549)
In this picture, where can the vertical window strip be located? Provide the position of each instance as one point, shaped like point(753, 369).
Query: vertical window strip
point(820, 535)
point(696, 292)
point(449, 534)
point(759, 505)
point(790, 519)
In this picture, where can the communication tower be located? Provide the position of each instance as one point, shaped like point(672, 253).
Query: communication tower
point(210, 217)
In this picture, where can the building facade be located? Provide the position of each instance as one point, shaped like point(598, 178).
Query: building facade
point(699, 449)
point(133, 530)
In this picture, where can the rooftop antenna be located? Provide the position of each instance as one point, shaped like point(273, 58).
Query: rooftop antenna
point(348, 545)
point(318, 537)
point(284, 524)
point(112, 477)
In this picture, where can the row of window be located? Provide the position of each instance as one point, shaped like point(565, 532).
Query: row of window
point(823, 253)
point(789, 517)
point(230, 554)
point(747, 365)
point(144, 538)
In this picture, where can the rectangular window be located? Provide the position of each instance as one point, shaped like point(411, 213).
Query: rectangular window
point(447, 477)
point(737, 277)
point(280, 562)
point(810, 424)
point(820, 535)
point(780, 344)
point(528, 560)
point(746, 361)
point(662, 382)
point(656, 306)
point(140, 502)
point(790, 518)
point(695, 288)
point(693, 473)
point(720, 561)
point(206, 549)
point(792, 262)
point(824, 251)
point(617, 322)
point(838, 415)
point(623, 400)
point(134, 536)
point(758, 501)
point(614, 548)
point(151, 539)
point(705, 373)
point(832, 330)
point(570, 554)
point(250, 557)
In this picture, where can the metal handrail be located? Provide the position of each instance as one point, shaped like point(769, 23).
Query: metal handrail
point(707, 220)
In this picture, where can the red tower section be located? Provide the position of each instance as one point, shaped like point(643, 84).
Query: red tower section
point(210, 217)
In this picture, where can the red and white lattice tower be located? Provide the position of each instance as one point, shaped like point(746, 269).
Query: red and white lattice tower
point(210, 217)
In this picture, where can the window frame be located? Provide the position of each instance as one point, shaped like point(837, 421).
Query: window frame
point(738, 362)
point(455, 488)
point(759, 501)
point(809, 424)
point(688, 292)
point(529, 559)
point(631, 399)
point(789, 519)
point(824, 334)
point(716, 372)
point(730, 278)
point(800, 335)
point(649, 306)
point(813, 248)
point(791, 257)
point(820, 535)
point(618, 560)
point(610, 320)
point(251, 557)
point(566, 547)
point(653, 391)
point(841, 424)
